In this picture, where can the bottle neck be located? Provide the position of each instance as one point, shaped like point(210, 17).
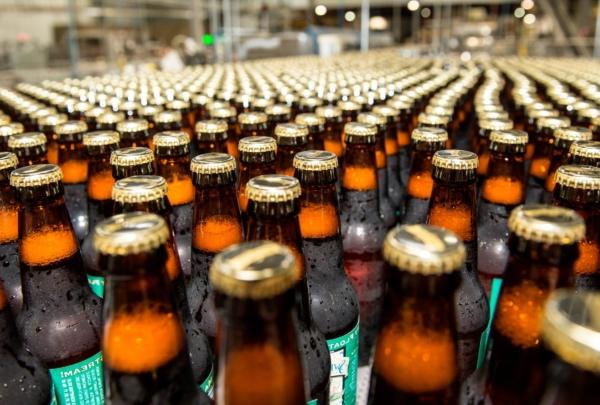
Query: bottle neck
point(100, 180)
point(452, 206)
point(176, 170)
point(9, 209)
point(359, 172)
point(505, 180)
point(73, 162)
point(32, 155)
point(420, 180)
point(319, 210)
point(284, 163)
point(120, 172)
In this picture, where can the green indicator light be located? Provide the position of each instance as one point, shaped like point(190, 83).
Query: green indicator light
point(208, 39)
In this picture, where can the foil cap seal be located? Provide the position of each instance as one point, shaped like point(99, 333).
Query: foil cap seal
point(131, 156)
point(315, 160)
point(273, 188)
point(139, 189)
point(455, 159)
point(130, 233)
point(35, 175)
point(213, 163)
point(546, 224)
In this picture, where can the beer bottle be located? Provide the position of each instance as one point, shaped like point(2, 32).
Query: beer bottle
point(292, 101)
point(277, 114)
point(363, 230)
point(569, 330)
point(241, 102)
point(257, 156)
point(187, 119)
point(350, 111)
point(533, 115)
point(253, 124)
point(425, 142)
point(563, 139)
point(148, 193)
point(333, 301)
point(332, 137)
point(273, 208)
point(228, 114)
point(260, 104)
point(172, 149)
point(166, 121)
point(129, 108)
point(416, 359)
point(436, 121)
point(217, 225)
point(585, 153)
point(74, 166)
point(578, 187)
point(23, 378)
point(387, 208)
point(76, 111)
point(199, 105)
point(47, 124)
point(212, 136)
point(147, 112)
point(108, 120)
point(316, 130)
point(309, 104)
point(127, 162)
point(482, 147)
point(8, 130)
point(453, 206)
point(60, 319)
point(502, 190)
point(134, 132)
point(543, 247)
point(259, 356)
point(143, 342)
point(9, 233)
point(91, 117)
point(30, 148)
point(542, 154)
point(291, 138)
point(403, 131)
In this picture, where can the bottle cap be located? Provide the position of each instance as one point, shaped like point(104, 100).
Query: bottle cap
point(213, 163)
point(101, 138)
point(429, 135)
point(586, 149)
point(348, 106)
point(431, 119)
point(252, 118)
point(26, 140)
point(455, 159)
point(546, 224)
point(137, 125)
point(509, 137)
point(131, 156)
point(35, 175)
point(254, 270)
point(310, 119)
point(12, 128)
point(8, 160)
point(553, 123)
point(262, 103)
point(315, 160)
point(149, 111)
point(371, 118)
point(178, 105)
point(257, 144)
point(573, 134)
point(130, 233)
point(167, 117)
point(110, 117)
point(277, 109)
point(423, 249)
point(498, 124)
point(94, 112)
point(579, 177)
point(291, 133)
point(51, 120)
point(310, 102)
point(273, 188)
point(4, 119)
point(328, 111)
point(170, 139)
point(224, 112)
point(357, 132)
point(211, 127)
point(390, 113)
point(139, 189)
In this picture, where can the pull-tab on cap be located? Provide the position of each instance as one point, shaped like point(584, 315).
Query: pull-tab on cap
point(273, 188)
point(139, 189)
point(213, 163)
point(571, 328)
point(253, 270)
point(130, 233)
point(257, 144)
point(26, 140)
point(315, 160)
point(455, 159)
point(546, 224)
point(8, 160)
point(35, 176)
point(360, 133)
point(131, 156)
point(423, 249)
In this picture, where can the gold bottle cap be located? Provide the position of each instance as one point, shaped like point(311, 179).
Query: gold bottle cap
point(589, 113)
point(252, 118)
point(357, 132)
point(253, 270)
point(95, 112)
point(224, 112)
point(130, 233)
point(211, 127)
point(4, 119)
point(12, 128)
point(70, 128)
point(110, 117)
point(496, 124)
point(390, 113)
point(348, 106)
point(52, 120)
point(439, 110)
point(315, 160)
point(213, 163)
point(149, 110)
point(131, 156)
point(26, 140)
point(8, 160)
point(539, 114)
point(553, 123)
point(139, 189)
point(178, 105)
point(570, 327)
point(311, 102)
point(257, 144)
point(328, 111)
point(509, 137)
point(35, 175)
point(273, 188)
point(310, 119)
point(167, 117)
point(400, 105)
point(431, 119)
point(579, 177)
point(289, 131)
point(101, 138)
point(129, 106)
point(262, 102)
point(423, 249)
point(42, 112)
point(455, 159)
point(429, 135)
point(573, 134)
point(546, 224)
point(137, 125)
point(371, 118)
point(586, 149)
point(170, 139)
point(277, 109)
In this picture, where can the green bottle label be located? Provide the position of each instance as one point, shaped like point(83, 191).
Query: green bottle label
point(312, 402)
point(79, 383)
point(485, 336)
point(344, 368)
point(96, 284)
point(207, 386)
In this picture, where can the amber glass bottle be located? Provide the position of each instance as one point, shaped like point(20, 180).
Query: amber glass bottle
point(8, 130)
point(363, 230)
point(92, 115)
point(127, 162)
point(333, 301)
point(482, 147)
point(200, 104)
point(309, 104)
point(257, 156)
point(55, 289)
point(332, 137)
point(30, 148)
point(259, 345)
point(217, 225)
point(46, 124)
point(134, 133)
point(108, 121)
point(147, 112)
point(145, 352)
point(253, 124)
point(9, 233)
point(187, 118)
point(578, 187)
point(403, 131)
point(416, 359)
point(228, 115)
point(212, 136)
point(395, 185)
point(291, 138)
point(273, 208)
point(543, 247)
point(585, 153)
point(436, 121)
point(453, 205)
point(72, 161)
point(425, 142)
point(277, 114)
point(316, 130)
